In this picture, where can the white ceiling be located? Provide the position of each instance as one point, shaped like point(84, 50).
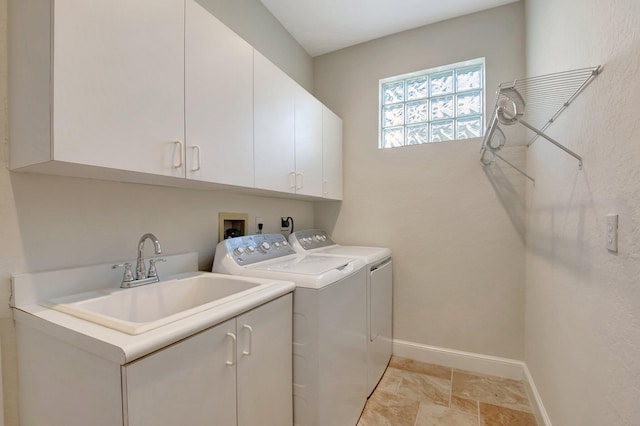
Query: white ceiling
point(322, 26)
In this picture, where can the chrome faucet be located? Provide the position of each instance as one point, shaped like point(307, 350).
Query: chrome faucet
point(141, 275)
point(141, 272)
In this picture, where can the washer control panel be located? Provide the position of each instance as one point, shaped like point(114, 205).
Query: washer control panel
point(257, 248)
point(312, 238)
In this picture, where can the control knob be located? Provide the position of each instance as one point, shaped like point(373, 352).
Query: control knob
point(250, 249)
point(264, 247)
point(239, 251)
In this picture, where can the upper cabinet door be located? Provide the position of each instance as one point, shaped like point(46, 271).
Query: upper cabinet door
point(118, 84)
point(274, 104)
point(218, 100)
point(332, 155)
point(308, 143)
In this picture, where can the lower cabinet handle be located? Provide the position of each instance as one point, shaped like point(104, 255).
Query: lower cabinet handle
point(248, 350)
point(196, 148)
point(177, 166)
point(234, 349)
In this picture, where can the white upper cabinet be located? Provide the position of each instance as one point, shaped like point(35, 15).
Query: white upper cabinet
point(118, 91)
point(308, 143)
point(331, 155)
point(274, 131)
point(160, 93)
point(218, 100)
point(287, 133)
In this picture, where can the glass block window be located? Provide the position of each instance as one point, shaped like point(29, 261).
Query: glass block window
point(435, 105)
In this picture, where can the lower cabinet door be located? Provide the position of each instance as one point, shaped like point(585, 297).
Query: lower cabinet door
point(192, 382)
point(265, 369)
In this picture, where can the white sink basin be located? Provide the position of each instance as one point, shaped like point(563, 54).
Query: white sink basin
point(140, 309)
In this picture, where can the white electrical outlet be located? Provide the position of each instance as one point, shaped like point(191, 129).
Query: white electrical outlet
point(612, 233)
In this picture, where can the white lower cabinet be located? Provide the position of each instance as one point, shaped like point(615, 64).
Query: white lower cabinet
point(236, 373)
point(187, 383)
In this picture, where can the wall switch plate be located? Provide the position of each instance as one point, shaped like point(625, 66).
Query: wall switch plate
point(612, 233)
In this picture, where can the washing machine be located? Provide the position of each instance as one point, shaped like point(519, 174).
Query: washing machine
point(378, 266)
point(329, 323)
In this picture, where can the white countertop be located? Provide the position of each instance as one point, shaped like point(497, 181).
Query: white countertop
point(29, 290)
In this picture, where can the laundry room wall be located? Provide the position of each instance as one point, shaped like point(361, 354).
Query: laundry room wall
point(457, 234)
point(49, 222)
point(582, 309)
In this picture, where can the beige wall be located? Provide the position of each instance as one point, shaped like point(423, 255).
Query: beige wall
point(456, 233)
point(49, 222)
point(583, 303)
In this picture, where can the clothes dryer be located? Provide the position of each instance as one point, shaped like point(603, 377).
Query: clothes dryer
point(329, 323)
point(378, 267)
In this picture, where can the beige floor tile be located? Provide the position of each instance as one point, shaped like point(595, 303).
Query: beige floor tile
point(420, 367)
point(493, 415)
point(494, 390)
point(384, 409)
point(437, 415)
point(390, 381)
point(422, 387)
point(466, 405)
point(412, 393)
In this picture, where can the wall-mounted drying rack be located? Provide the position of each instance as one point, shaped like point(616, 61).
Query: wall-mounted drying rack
point(530, 102)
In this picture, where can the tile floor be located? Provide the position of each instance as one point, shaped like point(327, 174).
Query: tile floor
point(413, 393)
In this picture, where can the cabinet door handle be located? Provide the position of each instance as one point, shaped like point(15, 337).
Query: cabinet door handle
point(179, 144)
point(250, 330)
point(196, 148)
point(301, 180)
point(234, 350)
point(292, 180)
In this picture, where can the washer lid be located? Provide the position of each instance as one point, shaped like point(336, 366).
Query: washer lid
point(309, 271)
point(304, 265)
point(367, 254)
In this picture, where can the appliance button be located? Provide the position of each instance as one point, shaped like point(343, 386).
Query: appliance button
point(276, 244)
point(239, 251)
point(250, 249)
point(284, 243)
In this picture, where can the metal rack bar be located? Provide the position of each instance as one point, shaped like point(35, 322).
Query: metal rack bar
point(515, 167)
point(546, 96)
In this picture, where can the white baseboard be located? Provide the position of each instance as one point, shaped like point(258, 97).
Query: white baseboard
point(478, 363)
point(538, 408)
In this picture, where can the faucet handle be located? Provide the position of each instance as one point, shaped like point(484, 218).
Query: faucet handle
point(128, 274)
point(153, 273)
